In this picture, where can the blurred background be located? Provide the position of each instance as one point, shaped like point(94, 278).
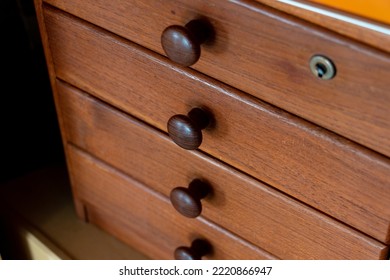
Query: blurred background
point(37, 217)
point(30, 134)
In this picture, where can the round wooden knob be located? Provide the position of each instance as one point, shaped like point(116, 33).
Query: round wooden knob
point(187, 201)
point(182, 43)
point(186, 131)
point(198, 249)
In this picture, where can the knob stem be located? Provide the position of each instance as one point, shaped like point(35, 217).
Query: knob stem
point(200, 29)
point(199, 189)
point(199, 117)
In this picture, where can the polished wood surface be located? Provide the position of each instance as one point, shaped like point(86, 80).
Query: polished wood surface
point(144, 218)
point(266, 53)
point(79, 207)
point(254, 211)
point(322, 169)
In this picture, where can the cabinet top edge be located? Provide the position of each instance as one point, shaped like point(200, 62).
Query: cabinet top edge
point(371, 32)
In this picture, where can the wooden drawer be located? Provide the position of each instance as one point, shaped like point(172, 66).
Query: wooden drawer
point(266, 53)
point(256, 212)
point(326, 171)
point(144, 218)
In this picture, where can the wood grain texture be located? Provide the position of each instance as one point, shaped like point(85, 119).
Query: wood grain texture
point(322, 169)
point(144, 219)
point(266, 53)
point(259, 214)
point(79, 206)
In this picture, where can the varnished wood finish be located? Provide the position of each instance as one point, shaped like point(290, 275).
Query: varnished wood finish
point(322, 169)
point(79, 206)
point(143, 218)
point(266, 53)
point(258, 213)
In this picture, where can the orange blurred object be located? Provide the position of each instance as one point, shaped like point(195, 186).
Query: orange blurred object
point(378, 10)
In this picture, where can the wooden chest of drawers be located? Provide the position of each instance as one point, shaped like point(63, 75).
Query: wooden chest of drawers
point(273, 144)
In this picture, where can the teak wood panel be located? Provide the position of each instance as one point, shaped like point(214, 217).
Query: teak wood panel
point(259, 214)
point(266, 53)
point(326, 171)
point(145, 219)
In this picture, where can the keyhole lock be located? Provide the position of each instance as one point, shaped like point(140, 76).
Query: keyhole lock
point(322, 67)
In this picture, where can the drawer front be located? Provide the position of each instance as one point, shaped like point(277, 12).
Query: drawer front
point(322, 169)
point(144, 218)
point(256, 212)
point(266, 53)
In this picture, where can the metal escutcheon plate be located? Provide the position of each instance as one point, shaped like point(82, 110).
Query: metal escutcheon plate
point(322, 67)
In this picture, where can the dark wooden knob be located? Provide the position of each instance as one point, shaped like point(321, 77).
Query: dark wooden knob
point(182, 43)
point(198, 249)
point(187, 201)
point(186, 131)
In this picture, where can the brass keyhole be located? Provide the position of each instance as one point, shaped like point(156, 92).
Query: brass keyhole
point(322, 67)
